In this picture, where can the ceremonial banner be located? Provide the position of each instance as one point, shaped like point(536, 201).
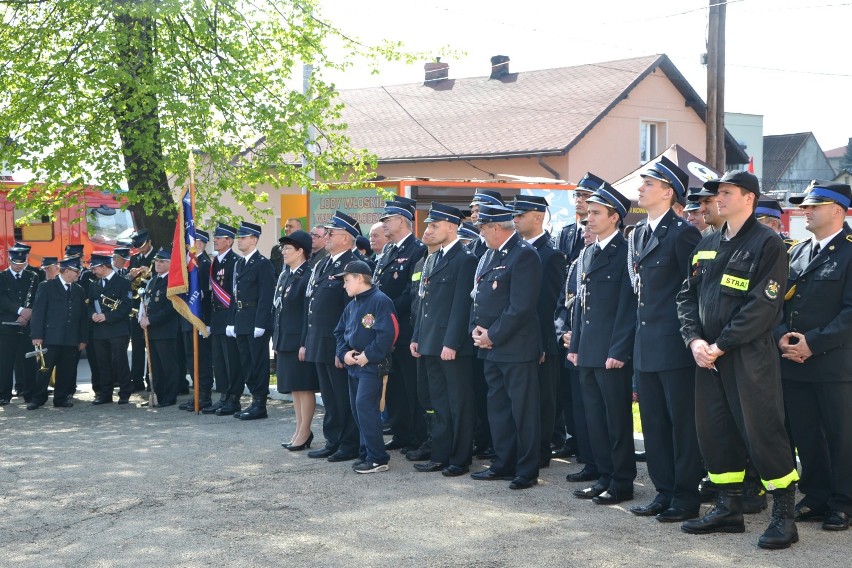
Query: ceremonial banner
point(183, 288)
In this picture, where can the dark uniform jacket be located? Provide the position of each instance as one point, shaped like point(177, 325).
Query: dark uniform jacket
point(60, 317)
point(605, 312)
point(203, 262)
point(566, 303)
point(735, 291)
point(289, 302)
point(15, 294)
point(819, 306)
point(662, 266)
point(505, 304)
point(324, 308)
point(393, 278)
point(254, 284)
point(162, 317)
point(552, 278)
point(117, 316)
point(571, 242)
point(368, 325)
point(444, 313)
point(223, 274)
point(477, 247)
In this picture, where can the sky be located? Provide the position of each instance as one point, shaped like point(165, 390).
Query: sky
point(789, 61)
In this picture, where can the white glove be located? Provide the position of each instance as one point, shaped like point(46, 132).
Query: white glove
point(258, 331)
point(230, 332)
point(208, 330)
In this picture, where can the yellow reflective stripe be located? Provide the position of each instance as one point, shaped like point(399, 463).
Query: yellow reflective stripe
point(703, 255)
point(781, 482)
point(729, 477)
point(416, 276)
point(734, 282)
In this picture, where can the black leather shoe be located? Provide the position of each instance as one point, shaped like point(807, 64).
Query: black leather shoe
point(677, 515)
point(566, 451)
point(583, 475)
point(32, 405)
point(639, 456)
point(543, 463)
point(187, 405)
point(339, 456)
point(123, 401)
point(99, 400)
point(423, 453)
point(252, 413)
point(490, 475)
point(836, 521)
point(486, 454)
point(590, 492)
point(394, 445)
point(805, 513)
point(613, 497)
point(454, 470)
point(321, 454)
point(429, 467)
point(522, 483)
point(166, 404)
point(649, 510)
point(62, 404)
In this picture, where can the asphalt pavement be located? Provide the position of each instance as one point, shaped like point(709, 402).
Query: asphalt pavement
point(125, 486)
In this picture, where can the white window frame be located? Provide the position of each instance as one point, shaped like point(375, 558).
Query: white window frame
point(660, 128)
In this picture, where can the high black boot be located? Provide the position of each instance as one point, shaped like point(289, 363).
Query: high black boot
point(726, 514)
point(231, 405)
point(256, 411)
point(424, 452)
point(215, 406)
point(782, 531)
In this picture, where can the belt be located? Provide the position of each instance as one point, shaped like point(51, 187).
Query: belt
point(241, 305)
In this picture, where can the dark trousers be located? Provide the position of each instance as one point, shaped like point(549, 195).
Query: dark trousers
point(226, 362)
point(63, 360)
point(13, 348)
point(548, 374)
point(205, 359)
point(513, 413)
point(164, 372)
point(404, 410)
point(138, 376)
point(365, 394)
point(739, 412)
point(607, 397)
point(821, 417)
point(563, 422)
point(111, 357)
point(581, 425)
point(254, 365)
point(451, 393)
point(667, 404)
point(338, 423)
point(481, 430)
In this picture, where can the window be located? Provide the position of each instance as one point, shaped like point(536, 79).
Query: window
point(34, 231)
point(652, 137)
point(107, 224)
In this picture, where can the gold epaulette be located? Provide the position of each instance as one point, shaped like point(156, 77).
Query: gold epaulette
point(789, 295)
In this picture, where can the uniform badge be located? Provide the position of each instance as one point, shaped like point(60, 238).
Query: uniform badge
point(368, 321)
point(494, 285)
point(337, 264)
point(395, 275)
point(771, 289)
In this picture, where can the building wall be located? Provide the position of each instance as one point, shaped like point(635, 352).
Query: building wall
point(747, 129)
point(810, 163)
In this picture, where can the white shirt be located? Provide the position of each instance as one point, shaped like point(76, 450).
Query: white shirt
point(534, 239)
point(652, 223)
point(221, 257)
point(249, 255)
point(824, 243)
point(445, 249)
point(602, 244)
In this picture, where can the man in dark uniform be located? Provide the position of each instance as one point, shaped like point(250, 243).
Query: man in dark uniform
point(693, 212)
point(17, 295)
point(50, 267)
point(659, 253)
point(121, 260)
point(326, 299)
point(571, 236)
point(769, 213)
point(141, 266)
point(319, 236)
point(160, 319)
point(110, 302)
point(708, 208)
point(205, 344)
point(393, 277)
point(529, 223)
point(602, 347)
point(251, 320)
point(59, 324)
point(441, 338)
point(226, 356)
point(728, 308)
point(38, 273)
point(85, 280)
point(504, 326)
point(816, 366)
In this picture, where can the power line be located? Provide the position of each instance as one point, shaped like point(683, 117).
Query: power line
point(791, 70)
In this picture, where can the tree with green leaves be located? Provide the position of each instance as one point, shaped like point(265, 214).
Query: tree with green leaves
point(115, 93)
point(846, 160)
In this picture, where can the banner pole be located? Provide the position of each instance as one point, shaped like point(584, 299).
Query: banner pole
point(196, 386)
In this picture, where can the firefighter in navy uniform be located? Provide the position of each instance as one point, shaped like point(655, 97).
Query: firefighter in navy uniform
point(816, 365)
point(140, 269)
point(161, 321)
point(571, 235)
point(728, 309)
point(60, 325)
point(17, 294)
point(393, 278)
point(38, 273)
point(110, 302)
point(769, 213)
point(121, 260)
point(659, 253)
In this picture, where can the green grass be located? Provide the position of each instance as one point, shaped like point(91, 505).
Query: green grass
point(637, 423)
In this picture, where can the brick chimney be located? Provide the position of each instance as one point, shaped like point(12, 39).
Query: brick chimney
point(436, 71)
point(499, 66)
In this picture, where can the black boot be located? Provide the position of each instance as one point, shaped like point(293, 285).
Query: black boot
point(707, 490)
point(726, 514)
point(256, 411)
point(424, 452)
point(782, 531)
point(205, 400)
point(231, 406)
point(754, 497)
point(215, 406)
point(187, 405)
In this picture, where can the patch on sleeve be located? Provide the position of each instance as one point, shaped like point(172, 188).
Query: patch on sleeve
point(771, 290)
point(368, 321)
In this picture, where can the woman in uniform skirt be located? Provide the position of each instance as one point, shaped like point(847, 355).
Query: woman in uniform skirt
point(295, 376)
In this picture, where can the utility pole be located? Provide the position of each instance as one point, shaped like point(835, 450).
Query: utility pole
point(715, 119)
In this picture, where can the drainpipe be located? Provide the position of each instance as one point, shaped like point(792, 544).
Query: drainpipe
point(553, 172)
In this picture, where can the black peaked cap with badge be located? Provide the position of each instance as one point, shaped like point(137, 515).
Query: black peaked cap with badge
point(524, 203)
point(767, 207)
point(822, 192)
point(487, 197)
point(666, 170)
point(442, 212)
point(589, 183)
point(341, 220)
point(608, 196)
point(494, 214)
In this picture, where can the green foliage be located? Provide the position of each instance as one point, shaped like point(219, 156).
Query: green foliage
point(112, 92)
point(846, 160)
